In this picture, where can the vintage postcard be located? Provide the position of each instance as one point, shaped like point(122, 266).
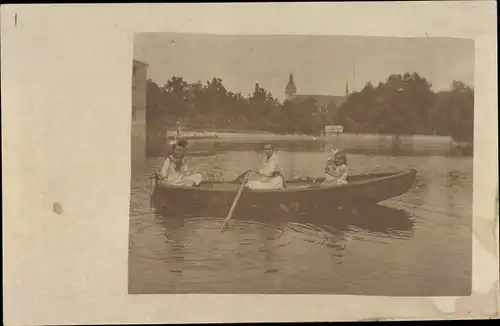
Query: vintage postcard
point(360, 166)
point(311, 166)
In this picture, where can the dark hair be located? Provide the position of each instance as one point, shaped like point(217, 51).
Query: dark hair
point(182, 142)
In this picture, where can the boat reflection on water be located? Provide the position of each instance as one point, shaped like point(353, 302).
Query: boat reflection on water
point(258, 249)
point(374, 218)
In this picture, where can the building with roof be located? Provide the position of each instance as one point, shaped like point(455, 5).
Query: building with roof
point(138, 127)
point(322, 100)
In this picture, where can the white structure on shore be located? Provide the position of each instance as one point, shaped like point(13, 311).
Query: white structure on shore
point(334, 129)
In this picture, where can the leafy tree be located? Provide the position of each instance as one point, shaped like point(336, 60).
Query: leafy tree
point(403, 104)
point(176, 97)
point(453, 112)
point(406, 104)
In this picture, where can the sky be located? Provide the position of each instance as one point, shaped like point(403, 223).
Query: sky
point(320, 64)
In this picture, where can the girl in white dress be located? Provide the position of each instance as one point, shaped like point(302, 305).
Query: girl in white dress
point(175, 171)
point(336, 169)
point(270, 176)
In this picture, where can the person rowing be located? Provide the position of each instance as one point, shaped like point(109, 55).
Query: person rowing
point(269, 174)
point(175, 170)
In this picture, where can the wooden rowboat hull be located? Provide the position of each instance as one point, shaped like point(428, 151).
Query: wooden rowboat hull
point(214, 198)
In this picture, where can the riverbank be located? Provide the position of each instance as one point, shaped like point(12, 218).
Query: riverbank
point(241, 135)
point(354, 143)
point(347, 140)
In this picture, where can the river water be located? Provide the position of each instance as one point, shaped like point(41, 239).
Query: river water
point(418, 244)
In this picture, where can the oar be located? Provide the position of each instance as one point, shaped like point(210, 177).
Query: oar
point(151, 189)
point(241, 176)
point(236, 199)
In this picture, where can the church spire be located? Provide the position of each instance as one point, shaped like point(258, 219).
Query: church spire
point(346, 88)
point(290, 89)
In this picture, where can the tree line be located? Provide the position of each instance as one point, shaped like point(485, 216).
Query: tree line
point(403, 104)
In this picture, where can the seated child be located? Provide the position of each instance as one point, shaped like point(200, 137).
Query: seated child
point(336, 169)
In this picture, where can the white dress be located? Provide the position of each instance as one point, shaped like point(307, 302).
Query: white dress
point(179, 178)
point(269, 177)
point(336, 175)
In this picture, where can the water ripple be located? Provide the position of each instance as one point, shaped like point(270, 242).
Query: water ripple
point(399, 247)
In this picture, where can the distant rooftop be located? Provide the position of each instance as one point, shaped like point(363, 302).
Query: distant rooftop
point(323, 100)
point(140, 63)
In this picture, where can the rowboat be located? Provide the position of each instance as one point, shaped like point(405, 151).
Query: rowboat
point(214, 198)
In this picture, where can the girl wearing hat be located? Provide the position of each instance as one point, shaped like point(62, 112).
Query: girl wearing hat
point(175, 171)
point(336, 169)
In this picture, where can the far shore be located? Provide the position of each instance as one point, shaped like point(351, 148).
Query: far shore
point(347, 141)
point(229, 135)
point(263, 135)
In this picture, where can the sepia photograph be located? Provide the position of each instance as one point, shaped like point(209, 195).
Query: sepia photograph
point(301, 164)
point(310, 161)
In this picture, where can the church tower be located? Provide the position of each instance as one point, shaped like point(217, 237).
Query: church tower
point(290, 89)
point(346, 88)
